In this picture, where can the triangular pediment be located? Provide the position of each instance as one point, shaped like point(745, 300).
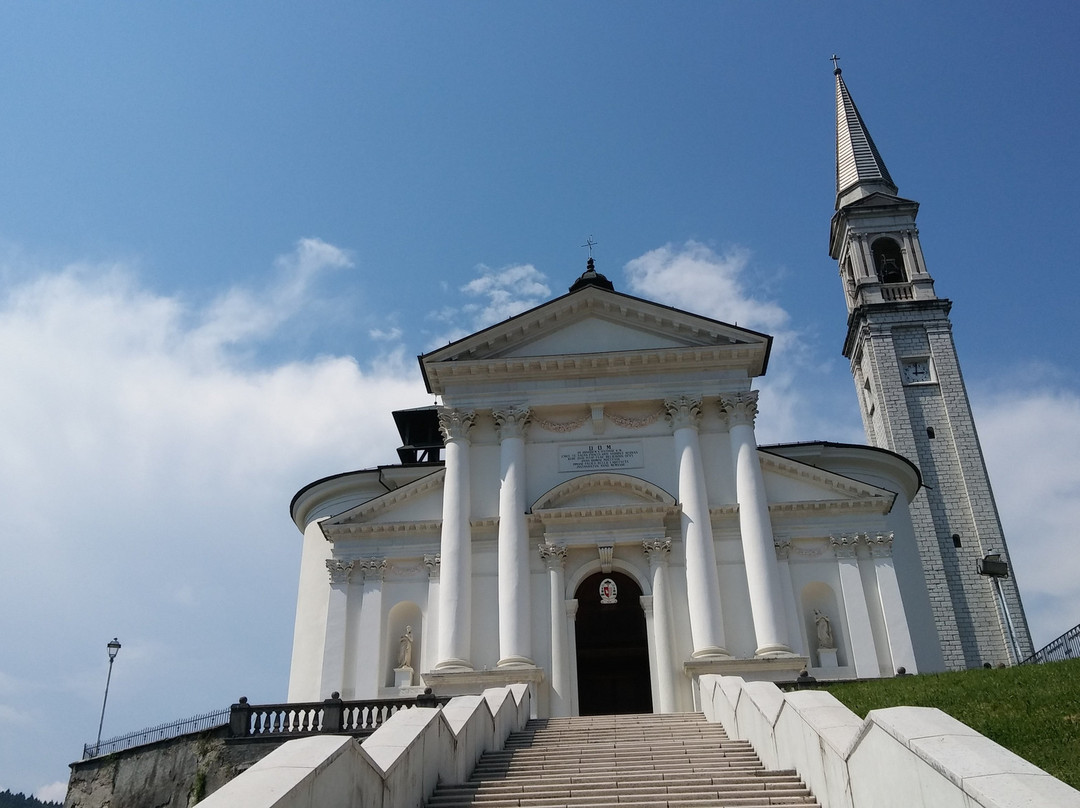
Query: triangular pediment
point(597, 329)
point(789, 481)
point(417, 502)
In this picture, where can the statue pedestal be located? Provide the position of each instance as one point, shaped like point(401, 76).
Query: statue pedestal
point(827, 658)
point(403, 676)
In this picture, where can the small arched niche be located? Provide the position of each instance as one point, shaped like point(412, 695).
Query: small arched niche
point(818, 598)
point(403, 617)
point(888, 261)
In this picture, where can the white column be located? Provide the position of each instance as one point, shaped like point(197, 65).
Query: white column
point(515, 603)
point(554, 557)
point(455, 547)
point(333, 661)
point(787, 583)
point(702, 580)
point(759, 553)
point(892, 606)
point(860, 632)
point(657, 551)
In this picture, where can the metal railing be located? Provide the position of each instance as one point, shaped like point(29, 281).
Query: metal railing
point(275, 721)
point(1067, 646)
point(162, 732)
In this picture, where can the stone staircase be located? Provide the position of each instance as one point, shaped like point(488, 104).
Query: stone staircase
point(632, 761)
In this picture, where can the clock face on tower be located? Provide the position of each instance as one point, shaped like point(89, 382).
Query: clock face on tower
point(914, 371)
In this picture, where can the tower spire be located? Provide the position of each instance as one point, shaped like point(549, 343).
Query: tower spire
point(860, 171)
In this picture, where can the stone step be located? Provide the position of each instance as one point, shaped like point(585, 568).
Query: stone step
point(635, 761)
point(749, 777)
point(790, 787)
point(528, 753)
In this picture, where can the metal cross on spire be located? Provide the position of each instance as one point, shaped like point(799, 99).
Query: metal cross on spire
point(835, 63)
point(590, 244)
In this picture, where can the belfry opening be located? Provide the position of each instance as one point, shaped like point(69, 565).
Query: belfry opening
point(612, 646)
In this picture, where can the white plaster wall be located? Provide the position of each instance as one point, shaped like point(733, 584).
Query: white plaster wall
point(309, 629)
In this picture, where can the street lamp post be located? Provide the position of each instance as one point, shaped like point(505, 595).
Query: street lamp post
point(113, 647)
point(996, 568)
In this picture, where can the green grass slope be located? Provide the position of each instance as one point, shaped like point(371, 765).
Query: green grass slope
point(1033, 710)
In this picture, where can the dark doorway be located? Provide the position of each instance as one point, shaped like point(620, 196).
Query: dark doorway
point(612, 648)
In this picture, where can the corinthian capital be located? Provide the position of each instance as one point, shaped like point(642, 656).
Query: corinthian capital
point(455, 424)
point(657, 550)
point(683, 412)
point(739, 408)
point(340, 571)
point(553, 554)
point(512, 422)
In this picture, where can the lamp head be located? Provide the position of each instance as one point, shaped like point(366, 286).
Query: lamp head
point(113, 647)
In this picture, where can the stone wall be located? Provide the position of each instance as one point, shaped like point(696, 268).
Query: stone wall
point(168, 774)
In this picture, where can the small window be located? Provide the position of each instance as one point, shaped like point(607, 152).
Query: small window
point(956, 540)
point(930, 432)
point(888, 261)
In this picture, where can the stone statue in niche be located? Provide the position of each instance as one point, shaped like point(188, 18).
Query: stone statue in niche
point(405, 649)
point(824, 631)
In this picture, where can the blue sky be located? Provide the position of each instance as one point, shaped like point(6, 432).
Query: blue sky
point(225, 232)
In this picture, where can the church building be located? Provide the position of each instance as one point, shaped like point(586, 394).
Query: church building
point(588, 510)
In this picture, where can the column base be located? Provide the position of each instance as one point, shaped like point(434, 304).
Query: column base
point(452, 664)
point(515, 662)
point(774, 650)
point(711, 652)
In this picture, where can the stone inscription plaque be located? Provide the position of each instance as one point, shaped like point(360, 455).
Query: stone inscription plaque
point(601, 456)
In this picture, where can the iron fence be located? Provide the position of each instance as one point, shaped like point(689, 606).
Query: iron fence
point(162, 732)
point(1067, 646)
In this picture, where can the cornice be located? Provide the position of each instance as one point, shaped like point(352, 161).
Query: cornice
point(614, 363)
point(430, 528)
point(549, 515)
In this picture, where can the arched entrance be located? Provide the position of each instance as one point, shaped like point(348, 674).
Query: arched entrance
point(612, 648)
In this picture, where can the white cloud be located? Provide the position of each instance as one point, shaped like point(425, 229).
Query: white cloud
point(503, 292)
point(695, 278)
point(800, 397)
point(53, 792)
point(1031, 441)
point(389, 335)
point(147, 469)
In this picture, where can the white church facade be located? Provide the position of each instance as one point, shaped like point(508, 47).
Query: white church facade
point(589, 511)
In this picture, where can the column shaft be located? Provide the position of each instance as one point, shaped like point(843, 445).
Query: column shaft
point(702, 580)
point(755, 526)
point(455, 548)
point(561, 701)
point(515, 636)
point(657, 551)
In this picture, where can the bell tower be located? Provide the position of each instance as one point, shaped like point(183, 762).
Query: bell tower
point(913, 400)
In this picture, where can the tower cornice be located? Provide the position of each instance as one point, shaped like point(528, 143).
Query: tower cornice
point(860, 315)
